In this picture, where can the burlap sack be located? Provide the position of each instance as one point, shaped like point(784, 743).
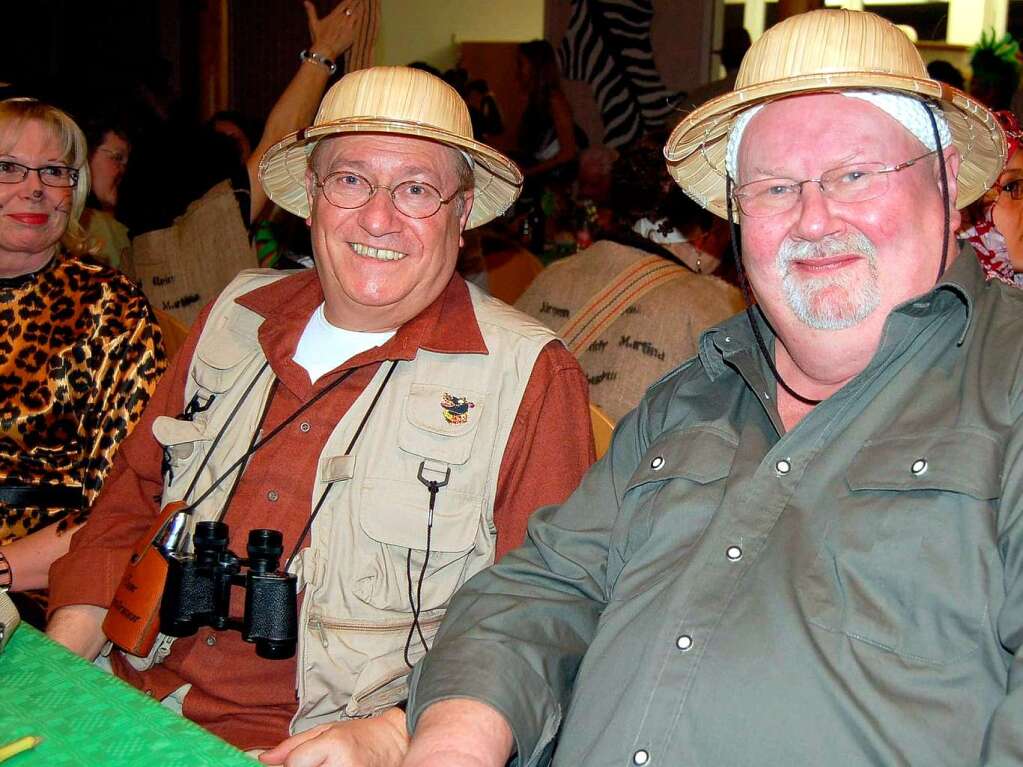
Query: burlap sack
point(184, 267)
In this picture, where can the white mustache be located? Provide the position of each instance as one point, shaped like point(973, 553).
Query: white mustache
point(806, 250)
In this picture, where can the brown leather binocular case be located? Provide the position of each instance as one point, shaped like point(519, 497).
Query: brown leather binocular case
point(133, 619)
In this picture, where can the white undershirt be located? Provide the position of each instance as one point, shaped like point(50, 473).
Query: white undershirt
point(323, 346)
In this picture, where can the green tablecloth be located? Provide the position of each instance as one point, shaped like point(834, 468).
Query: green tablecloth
point(90, 718)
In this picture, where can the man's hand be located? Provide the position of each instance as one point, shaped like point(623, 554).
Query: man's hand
point(79, 628)
point(334, 33)
point(460, 733)
point(377, 742)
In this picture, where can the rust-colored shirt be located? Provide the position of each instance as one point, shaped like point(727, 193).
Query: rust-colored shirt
point(245, 699)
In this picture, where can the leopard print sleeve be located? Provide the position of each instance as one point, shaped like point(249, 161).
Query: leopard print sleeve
point(126, 360)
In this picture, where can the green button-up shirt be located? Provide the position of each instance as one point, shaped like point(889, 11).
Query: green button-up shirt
point(719, 591)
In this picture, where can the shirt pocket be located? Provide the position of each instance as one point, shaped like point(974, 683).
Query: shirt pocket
point(901, 566)
point(669, 501)
point(394, 510)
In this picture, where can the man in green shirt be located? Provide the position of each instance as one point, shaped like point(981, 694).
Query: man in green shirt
point(805, 546)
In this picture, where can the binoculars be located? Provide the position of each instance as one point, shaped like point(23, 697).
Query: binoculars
point(198, 590)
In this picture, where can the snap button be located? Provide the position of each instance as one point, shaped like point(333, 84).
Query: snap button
point(272, 496)
point(684, 642)
point(734, 553)
point(149, 693)
point(211, 640)
point(657, 463)
point(304, 427)
point(919, 466)
point(783, 466)
point(641, 757)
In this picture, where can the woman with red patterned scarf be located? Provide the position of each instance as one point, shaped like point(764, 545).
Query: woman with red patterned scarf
point(997, 232)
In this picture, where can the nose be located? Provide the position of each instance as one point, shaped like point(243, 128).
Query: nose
point(815, 220)
point(32, 186)
point(379, 217)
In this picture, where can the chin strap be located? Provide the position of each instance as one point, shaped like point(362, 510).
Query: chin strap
point(747, 294)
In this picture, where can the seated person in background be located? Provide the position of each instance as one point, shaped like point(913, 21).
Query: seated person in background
point(548, 143)
point(183, 261)
point(996, 233)
point(388, 372)
point(624, 345)
point(109, 152)
point(80, 350)
point(805, 546)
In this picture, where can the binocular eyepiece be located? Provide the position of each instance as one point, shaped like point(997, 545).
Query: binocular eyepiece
point(198, 590)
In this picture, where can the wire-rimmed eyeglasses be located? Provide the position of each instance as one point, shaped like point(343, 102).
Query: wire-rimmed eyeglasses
point(50, 175)
point(415, 199)
point(857, 182)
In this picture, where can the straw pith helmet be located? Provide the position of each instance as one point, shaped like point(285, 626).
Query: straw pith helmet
point(398, 101)
point(829, 51)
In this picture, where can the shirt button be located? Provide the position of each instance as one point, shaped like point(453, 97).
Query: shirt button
point(272, 496)
point(211, 640)
point(734, 553)
point(149, 693)
point(657, 463)
point(304, 427)
point(783, 466)
point(919, 466)
point(641, 757)
point(684, 642)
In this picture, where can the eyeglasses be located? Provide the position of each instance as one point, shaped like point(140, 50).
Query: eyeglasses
point(50, 175)
point(115, 156)
point(415, 199)
point(849, 183)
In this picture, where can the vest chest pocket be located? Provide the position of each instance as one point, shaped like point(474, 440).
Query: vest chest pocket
point(181, 441)
point(904, 561)
point(440, 428)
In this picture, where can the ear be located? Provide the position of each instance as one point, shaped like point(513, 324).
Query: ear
point(467, 199)
point(952, 160)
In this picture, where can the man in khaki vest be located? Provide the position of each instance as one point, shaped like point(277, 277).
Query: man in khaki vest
point(396, 426)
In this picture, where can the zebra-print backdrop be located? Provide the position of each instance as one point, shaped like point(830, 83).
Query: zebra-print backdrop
point(608, 46)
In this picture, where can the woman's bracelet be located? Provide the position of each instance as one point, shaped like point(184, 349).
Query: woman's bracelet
point(317, 58)
point(6, 573)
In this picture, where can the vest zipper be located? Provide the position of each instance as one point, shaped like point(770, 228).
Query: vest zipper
point(322, 625)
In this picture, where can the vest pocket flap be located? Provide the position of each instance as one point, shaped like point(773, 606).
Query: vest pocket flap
point(395, 513)
point(440, 422)
point(701, 455)
point(955, 460)
point(219, 358)
point(177, 436)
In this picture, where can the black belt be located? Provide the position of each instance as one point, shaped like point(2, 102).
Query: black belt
point(42, 496)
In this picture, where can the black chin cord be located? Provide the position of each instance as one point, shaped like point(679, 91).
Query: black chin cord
point(747, 294)
point(944, 193)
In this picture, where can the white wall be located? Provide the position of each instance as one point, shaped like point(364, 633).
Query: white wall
point(429, 30)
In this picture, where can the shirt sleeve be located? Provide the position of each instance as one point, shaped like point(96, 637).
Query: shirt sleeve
point(128, 360)
point(515, 634)
point(1003, 742)
point(92, 568)
point(550, 446)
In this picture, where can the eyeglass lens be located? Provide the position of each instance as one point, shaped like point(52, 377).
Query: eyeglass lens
point(50, 175)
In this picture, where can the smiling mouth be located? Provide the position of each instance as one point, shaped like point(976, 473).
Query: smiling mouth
point(380, 254)
point(826, 264)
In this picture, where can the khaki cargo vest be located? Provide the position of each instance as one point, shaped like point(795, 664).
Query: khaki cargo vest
point(355, 615)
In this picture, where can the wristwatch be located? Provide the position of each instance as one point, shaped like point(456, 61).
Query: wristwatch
point(316, 58)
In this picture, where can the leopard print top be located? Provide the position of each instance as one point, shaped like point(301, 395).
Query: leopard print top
point(80, 354)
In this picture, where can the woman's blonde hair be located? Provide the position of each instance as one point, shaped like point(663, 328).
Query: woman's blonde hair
point(14, 115)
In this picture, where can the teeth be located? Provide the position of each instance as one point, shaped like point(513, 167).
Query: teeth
point(378, 253)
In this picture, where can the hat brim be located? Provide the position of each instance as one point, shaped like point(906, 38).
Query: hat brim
point(696, 148)
point(497, 180)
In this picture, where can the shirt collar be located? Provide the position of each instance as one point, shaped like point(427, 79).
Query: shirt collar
point(446, 326)
point(957, 288)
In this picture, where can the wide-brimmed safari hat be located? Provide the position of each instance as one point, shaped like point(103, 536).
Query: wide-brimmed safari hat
point(829, 51)
point(398, 101)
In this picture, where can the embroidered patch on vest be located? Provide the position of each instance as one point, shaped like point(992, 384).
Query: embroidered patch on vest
point(456, 409)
